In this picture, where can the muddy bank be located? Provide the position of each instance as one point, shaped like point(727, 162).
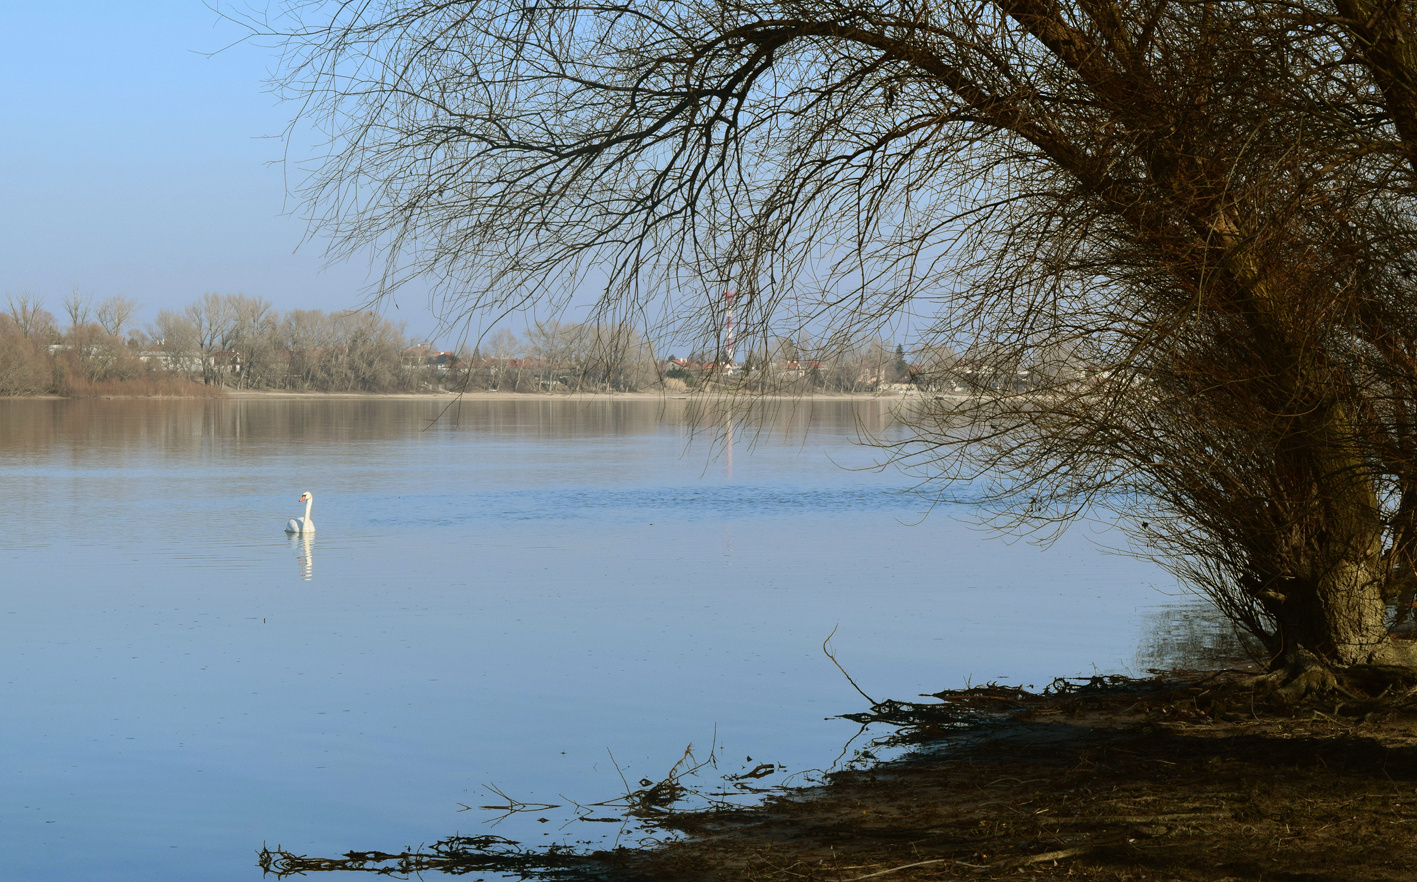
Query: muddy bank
point(1194, 777)
point(1187, 777)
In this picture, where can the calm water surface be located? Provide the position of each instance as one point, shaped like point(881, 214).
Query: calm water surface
point(506, 599)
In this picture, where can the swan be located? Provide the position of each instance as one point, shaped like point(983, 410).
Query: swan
point(303, 525)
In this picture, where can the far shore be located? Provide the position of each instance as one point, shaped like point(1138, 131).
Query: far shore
point(573, 396)
point(274, 395)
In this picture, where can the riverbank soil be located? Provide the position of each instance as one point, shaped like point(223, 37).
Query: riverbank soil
point(1189, 777)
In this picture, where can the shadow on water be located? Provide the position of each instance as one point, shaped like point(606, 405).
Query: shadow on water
point(645, 808)
point(953, 720)
point(1186, 637)
point(648, 810)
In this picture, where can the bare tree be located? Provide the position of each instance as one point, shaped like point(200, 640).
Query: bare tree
point(306, 334)
point(555, 347)
point(253, 337)
point(24, 366)
point(78, 306)
point(353, 351)
point(177, 336)
point(368, 358)
point(504, 347)
point(1209, 207)
point(214, 322)
point(114, 313)
point(91, 353)
point(31, 318)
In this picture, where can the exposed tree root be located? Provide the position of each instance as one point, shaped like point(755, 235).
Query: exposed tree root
point(1302, 676)
point(1391, 668)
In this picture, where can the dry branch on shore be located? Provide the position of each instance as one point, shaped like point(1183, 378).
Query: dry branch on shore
point(1187, 777)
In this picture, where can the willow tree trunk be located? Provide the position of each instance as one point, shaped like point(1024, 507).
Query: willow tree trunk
point(1329, 604)
point(1336, 616)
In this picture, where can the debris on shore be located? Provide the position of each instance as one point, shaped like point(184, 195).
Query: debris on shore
point(1186, 776)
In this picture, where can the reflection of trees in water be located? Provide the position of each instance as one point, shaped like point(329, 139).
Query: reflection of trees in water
point(177, 425)
point(1191, 636)
point(1196, 636)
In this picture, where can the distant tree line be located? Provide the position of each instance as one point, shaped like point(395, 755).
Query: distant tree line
point(220, 341)
point(556, 356)
point(799, 365)
point(602, 357)
point(873, 365)
point(234, 341)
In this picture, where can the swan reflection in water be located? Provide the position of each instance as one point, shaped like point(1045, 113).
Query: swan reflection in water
point(304, 545)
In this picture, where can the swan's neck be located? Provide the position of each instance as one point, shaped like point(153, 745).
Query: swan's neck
point(308, 502)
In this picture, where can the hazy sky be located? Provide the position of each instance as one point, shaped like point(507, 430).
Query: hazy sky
point(137, 164)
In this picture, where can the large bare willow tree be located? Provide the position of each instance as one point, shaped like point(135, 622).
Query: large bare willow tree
point(1207, 205)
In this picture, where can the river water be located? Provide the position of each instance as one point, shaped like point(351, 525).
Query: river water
point(543, 598)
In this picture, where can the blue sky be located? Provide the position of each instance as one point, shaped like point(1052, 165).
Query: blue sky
point(137, 163)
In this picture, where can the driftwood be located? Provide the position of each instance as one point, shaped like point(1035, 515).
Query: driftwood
point(454, 855)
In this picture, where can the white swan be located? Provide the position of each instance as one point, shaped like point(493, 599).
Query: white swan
point(303, 525)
